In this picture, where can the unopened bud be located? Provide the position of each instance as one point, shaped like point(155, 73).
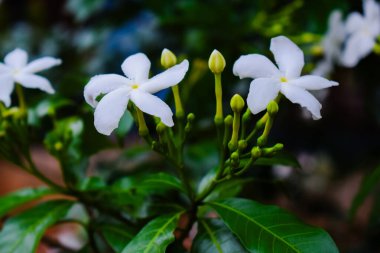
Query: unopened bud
point(242, 144)
point(190, 117)
point(256, 152)
point(168, 59)
point(272, 108)
point(237, 103)
point(228, 120)
point(216, 62)
point(160, 128)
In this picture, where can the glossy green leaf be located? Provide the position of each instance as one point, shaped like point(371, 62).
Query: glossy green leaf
point(214, 237)
point(262, 228)
point(155, 236)
point(117, 235)
point(15, 199)
point(23, 232)
point(369, 182)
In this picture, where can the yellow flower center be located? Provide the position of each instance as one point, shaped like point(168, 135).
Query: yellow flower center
point(283, 79)
point(135, 86)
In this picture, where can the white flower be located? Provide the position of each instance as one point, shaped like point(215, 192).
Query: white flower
point(332, 43)
point(135, 87)
point(362, 31)
point(17, 70)
point(270, 80)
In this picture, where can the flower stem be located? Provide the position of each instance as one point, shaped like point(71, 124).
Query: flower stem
point(21, 99)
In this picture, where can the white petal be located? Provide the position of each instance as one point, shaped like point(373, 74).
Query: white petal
point(304, 98)
point(311, 82)
point(354, 23)
point(289, 57)
point(103, 84)
point(261, 92)
point(41, 64)
point(371, 10)
point(168, 78)
point(6, 88)
point(4, 69)
point(110, 109)
point(152, 105)
point(16, 59)
point(254, 66)
point(136, 67)
point(34, 81)
point(358, 46)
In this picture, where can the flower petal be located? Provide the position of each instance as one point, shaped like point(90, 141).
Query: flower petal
point(358, 46)
point(34, 81)
point(152, 105)
point(136, 67)
point(16, 59)
point(354, 23)
point(302, 97)
point(289, 57)
point(6, 88)
point(254, 66)
point(41, 64)
point(168, 78)
point(371, 10)
point(4, 69)
point(103, 84)
point(261, 92)
point(311, 82)
point(110, 109)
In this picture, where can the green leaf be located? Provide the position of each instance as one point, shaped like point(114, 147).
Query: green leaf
point(214, 237)
point(279, 159)
point(125, 124)
point(155, 236)
point(23, 232)
point(161, 181)
point(15, 199)
point(262, 228)
point(369, 182)
point(117, 236)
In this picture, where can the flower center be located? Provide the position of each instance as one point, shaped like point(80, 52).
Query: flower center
point(283, 79)
point(135, 86)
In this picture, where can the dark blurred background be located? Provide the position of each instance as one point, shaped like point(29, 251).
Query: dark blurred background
point(95, 36)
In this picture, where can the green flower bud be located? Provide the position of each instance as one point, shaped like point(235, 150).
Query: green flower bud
point(256, 152)
point(160, 128)
point(216, 62)
point(242, 144)
point(272, 108)
point(237, 103)
point(168, 59)
point(228, 120)
point(190, 117)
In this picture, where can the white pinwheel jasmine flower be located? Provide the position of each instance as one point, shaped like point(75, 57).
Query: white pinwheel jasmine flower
point(331, 43)
point(269, 80)
point(137, 87)
point(362, 31)
point(16, 69)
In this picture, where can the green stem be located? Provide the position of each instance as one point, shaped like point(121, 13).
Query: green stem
point(21, 99)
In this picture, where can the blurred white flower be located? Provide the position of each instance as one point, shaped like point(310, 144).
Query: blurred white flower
point(270, 80)
point(15, 69)
point(135, 87)
point(362, 31)
point(331, 44)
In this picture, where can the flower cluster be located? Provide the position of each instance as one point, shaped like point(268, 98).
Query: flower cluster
point(346, 43)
